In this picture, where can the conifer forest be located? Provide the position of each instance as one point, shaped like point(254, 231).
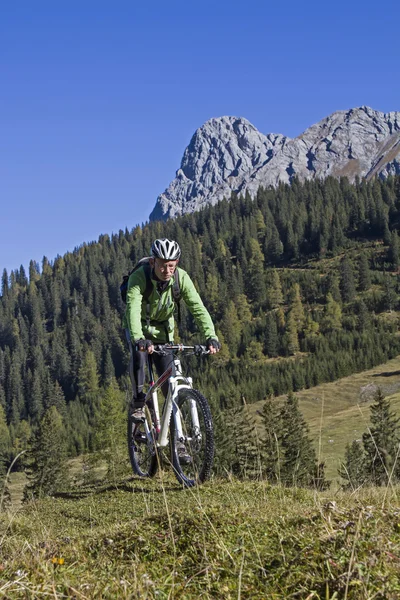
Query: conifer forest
point(301, 281)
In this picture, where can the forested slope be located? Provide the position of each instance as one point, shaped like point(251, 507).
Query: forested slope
point(301, 281)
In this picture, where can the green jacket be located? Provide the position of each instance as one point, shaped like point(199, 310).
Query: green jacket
point(162, 306)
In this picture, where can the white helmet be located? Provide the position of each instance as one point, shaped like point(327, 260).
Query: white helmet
point(165, 249)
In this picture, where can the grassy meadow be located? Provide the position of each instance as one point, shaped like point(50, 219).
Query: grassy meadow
point(226, 539)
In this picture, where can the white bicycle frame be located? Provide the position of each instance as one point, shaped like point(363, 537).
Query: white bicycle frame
point(176, 382)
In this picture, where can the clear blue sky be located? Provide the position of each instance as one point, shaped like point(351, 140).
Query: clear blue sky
point(98, 100)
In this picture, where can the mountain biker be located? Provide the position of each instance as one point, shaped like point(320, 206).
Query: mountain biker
point(152, 322)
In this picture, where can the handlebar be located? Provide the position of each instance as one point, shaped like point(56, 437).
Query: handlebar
point(197, 349)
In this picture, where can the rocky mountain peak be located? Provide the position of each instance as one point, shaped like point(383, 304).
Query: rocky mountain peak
point(228, 154)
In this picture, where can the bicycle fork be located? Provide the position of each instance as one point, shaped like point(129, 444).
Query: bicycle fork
point(185, 436)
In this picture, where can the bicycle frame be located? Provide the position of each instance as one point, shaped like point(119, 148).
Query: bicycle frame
point(176, 382)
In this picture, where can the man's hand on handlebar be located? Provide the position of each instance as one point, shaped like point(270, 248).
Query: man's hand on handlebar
point(145, 346)
point(213, 345)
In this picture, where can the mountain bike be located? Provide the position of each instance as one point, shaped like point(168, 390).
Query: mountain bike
point(185, 422)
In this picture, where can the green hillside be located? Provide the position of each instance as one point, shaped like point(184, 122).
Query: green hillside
point(338, 413)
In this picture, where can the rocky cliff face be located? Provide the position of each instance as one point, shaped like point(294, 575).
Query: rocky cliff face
point(229, 154)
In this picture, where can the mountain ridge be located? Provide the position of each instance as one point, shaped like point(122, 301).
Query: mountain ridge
point(229, 154)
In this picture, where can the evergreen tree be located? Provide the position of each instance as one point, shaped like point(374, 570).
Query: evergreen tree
point(5, 452)
point(231, 327)
point(334, 287)
point(254, 352)
point(362, 316)
point(271, 441)
point(353, 469)
point(296, 308)
point(364, 275)
point(212, 298)
point(89, 388)
point(292, 336)
point(393, 251)
point(247, 461)
point(390, 297)
point(4, 283)
point(110, 428)
point(243, 309)
point(257, 289)
point(21, 437)
point(274, 249)
point(332, 315)
point(298, 464)
point(47, 457)
point(381, 442)
point(311, 329)
point(347, 283)
point(275, 295)
point(271, 335)
point(224, 437)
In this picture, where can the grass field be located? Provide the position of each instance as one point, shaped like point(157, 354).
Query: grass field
point(229, 540)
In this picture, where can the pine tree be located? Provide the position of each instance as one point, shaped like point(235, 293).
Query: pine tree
point(254, 352)
point(393, 251)
point(4, 283)
point(381, 442)
point(274, 293)
point(363, 317)
point(271, 335)
point(5, 451)
point(89, 390)
point(389, 294)
point(292, 336)
point(212, 298)
point(353, 469)
point(224, 438)
point(243, 309)
point(271, 441)
point(21, 437)
point(364, 275)
point(274, 249)
point(109, 438)
point(231, 327)
point(247, 462)
point(298, 464)
point(332, 315)
point(347, 283)
point(47, 457)
point(296, 307)
point(257, 289)
point(334, 287)
point(311, 329)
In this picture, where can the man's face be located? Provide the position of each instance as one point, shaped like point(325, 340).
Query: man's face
point(164, 269)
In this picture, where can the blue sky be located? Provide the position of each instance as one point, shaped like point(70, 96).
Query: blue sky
point(98, 100)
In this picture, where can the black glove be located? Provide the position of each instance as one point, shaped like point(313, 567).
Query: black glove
point(143, 345)
point(213, 343)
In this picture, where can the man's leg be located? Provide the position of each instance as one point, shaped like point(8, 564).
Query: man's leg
point(137, 365)
point(161, 363)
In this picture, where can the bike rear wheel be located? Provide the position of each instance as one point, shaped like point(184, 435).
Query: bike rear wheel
point(141, 446)
point(192, 435)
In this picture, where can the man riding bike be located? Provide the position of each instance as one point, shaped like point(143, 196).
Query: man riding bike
point(151, 321)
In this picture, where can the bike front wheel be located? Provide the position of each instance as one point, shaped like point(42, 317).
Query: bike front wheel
point(142, 447)
point(192, 438)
